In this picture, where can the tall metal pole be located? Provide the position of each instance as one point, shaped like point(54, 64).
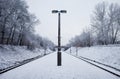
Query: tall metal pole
point(59, 59)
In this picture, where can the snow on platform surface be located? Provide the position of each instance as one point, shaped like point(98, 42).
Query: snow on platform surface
point(46, 68)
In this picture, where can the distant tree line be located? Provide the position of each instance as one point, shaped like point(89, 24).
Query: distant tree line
point(17, 25)
point(104, 28)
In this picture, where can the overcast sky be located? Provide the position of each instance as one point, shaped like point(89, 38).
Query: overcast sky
point(72, 23)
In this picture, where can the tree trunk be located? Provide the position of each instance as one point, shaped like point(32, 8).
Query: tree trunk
point(21, 40)
point(11, 31)
point(3, 31)
point(12, 37)
point(19, 36)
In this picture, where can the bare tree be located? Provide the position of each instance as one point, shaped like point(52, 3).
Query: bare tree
point(82, 40)
point(99, 22)
point(113, 24)
point(105, 22)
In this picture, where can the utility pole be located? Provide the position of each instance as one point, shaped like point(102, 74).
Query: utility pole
point(59, 59)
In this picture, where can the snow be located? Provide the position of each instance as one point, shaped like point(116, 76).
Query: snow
point(46, 68)
point(109, 55)
point(9, 55)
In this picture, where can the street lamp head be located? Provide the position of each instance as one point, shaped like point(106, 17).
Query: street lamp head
point(55, 11)
point(63, 11)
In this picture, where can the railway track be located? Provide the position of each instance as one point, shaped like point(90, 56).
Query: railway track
point(102, 66)
point(101, 63)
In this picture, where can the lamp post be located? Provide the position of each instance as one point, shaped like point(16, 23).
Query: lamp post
point(59, 35)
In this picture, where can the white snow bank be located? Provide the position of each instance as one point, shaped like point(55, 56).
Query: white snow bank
point(109, 55)
point(9, 55)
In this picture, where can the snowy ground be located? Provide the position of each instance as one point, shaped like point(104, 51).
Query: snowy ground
point(109, 55)
point(45, 68)
point(9, 55)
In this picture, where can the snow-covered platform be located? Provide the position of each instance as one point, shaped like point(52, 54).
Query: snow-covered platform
point(46, 68)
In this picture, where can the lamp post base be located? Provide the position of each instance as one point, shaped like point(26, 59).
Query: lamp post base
point(59, 58)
